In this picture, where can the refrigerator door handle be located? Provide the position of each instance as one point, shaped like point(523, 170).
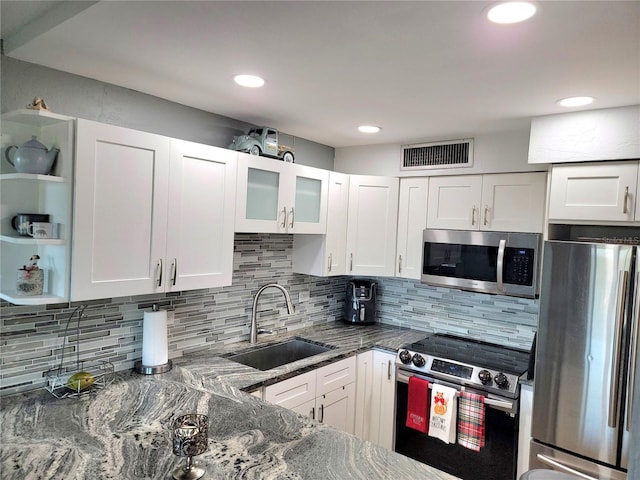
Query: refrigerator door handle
point(633, 355)
point(614, 392)
point(563, 468)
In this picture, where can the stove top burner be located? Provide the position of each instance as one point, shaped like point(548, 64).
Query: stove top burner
point(481, 365)
point(473, 352)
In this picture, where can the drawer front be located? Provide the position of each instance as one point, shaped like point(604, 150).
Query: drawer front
point(335, 375)
point(292, 392)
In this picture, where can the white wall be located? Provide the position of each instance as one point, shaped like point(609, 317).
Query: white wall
point(493, 153)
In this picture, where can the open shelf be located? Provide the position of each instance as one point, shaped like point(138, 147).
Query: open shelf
point(31, 241)
point(47, 194)
point(35, 118)
point(13, 297)
point(32, 177)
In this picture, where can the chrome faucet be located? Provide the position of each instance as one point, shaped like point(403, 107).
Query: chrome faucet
point(253, 334)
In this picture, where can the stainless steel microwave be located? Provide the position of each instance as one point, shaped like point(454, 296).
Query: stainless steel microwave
point(500, 263)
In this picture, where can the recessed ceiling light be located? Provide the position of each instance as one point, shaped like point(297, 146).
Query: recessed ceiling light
point(511, 12)
point(575, 101)
point(251, 81)
point(368, 129)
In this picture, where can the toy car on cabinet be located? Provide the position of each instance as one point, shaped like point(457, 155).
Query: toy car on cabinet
point(263, 141)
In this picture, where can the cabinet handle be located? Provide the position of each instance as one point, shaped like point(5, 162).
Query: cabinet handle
point(625, 210)
point(351, 262)
point(473, 215)
point(486, 215)
point(313, 413)
point(174, 271)
point(388, 369)
point(284, 214)
point(292, 218)
point(321, 414)
point(399, 263)
point(330, 262)
point(159, 273)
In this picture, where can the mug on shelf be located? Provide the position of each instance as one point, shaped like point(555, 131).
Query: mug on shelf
point(21, 221)
point(42, 230)
point(29, 283)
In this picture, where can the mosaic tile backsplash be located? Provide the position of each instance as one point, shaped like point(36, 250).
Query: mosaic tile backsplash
point(31, 338)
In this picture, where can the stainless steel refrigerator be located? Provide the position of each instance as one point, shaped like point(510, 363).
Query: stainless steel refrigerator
point(586, 346)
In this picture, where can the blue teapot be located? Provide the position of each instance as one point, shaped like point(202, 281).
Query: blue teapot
point(32, 157)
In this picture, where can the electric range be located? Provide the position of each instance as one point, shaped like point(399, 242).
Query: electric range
point(482, 366)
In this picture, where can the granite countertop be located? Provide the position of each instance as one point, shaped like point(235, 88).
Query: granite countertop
point(122, 431)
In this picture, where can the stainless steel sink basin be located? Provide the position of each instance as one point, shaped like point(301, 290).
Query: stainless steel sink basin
point(271, 356)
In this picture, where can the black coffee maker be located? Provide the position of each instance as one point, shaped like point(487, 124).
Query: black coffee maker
point(360, 302)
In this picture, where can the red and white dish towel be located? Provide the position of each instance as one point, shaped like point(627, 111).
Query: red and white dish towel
point(442, 421)
point(418, 404)
point(471, 420)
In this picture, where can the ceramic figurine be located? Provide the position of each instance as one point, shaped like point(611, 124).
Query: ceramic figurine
point(38, 104)
point(33, 264)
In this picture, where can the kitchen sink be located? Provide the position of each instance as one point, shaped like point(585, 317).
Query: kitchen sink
point(271, 356)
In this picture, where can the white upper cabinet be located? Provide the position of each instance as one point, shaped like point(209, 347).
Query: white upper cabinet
point(454, 202)
point(372, 223)
point(120, 209)
point(146, 213)
point(511, 202)
point(40, 194)
point(201, 213)
point(594, 191)
point(325, 255)
point(279, 197)
point(412, 220)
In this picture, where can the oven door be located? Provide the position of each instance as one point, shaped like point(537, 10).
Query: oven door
point(495, 461)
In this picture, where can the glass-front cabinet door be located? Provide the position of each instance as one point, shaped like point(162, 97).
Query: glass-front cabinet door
point(278, 197)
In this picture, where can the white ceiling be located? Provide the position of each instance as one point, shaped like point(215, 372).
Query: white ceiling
point(425, 70)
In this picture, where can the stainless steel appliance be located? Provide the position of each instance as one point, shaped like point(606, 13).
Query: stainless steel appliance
point(489, 262)
point(464, 364)
point(587, 343)
point(360, 302)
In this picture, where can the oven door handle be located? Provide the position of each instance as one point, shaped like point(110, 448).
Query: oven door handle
point(500, 404)
point(504, 405)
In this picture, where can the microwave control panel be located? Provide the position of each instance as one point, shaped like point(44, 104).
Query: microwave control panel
point(518, 266)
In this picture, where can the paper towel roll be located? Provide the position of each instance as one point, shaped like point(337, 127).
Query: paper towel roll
point(155, 345)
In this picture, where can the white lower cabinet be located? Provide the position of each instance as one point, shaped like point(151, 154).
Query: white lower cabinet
point(375, 397)
point(326, 394)
point(336, 408)
point(151, 213)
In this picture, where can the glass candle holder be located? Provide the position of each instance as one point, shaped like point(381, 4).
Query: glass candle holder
point(190, 438)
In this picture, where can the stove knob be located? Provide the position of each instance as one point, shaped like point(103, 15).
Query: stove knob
point(405, 356)
point(484, 376)
point(418, 360)
point(501, 380)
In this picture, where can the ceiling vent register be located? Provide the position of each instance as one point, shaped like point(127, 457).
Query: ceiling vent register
point(435, 155)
